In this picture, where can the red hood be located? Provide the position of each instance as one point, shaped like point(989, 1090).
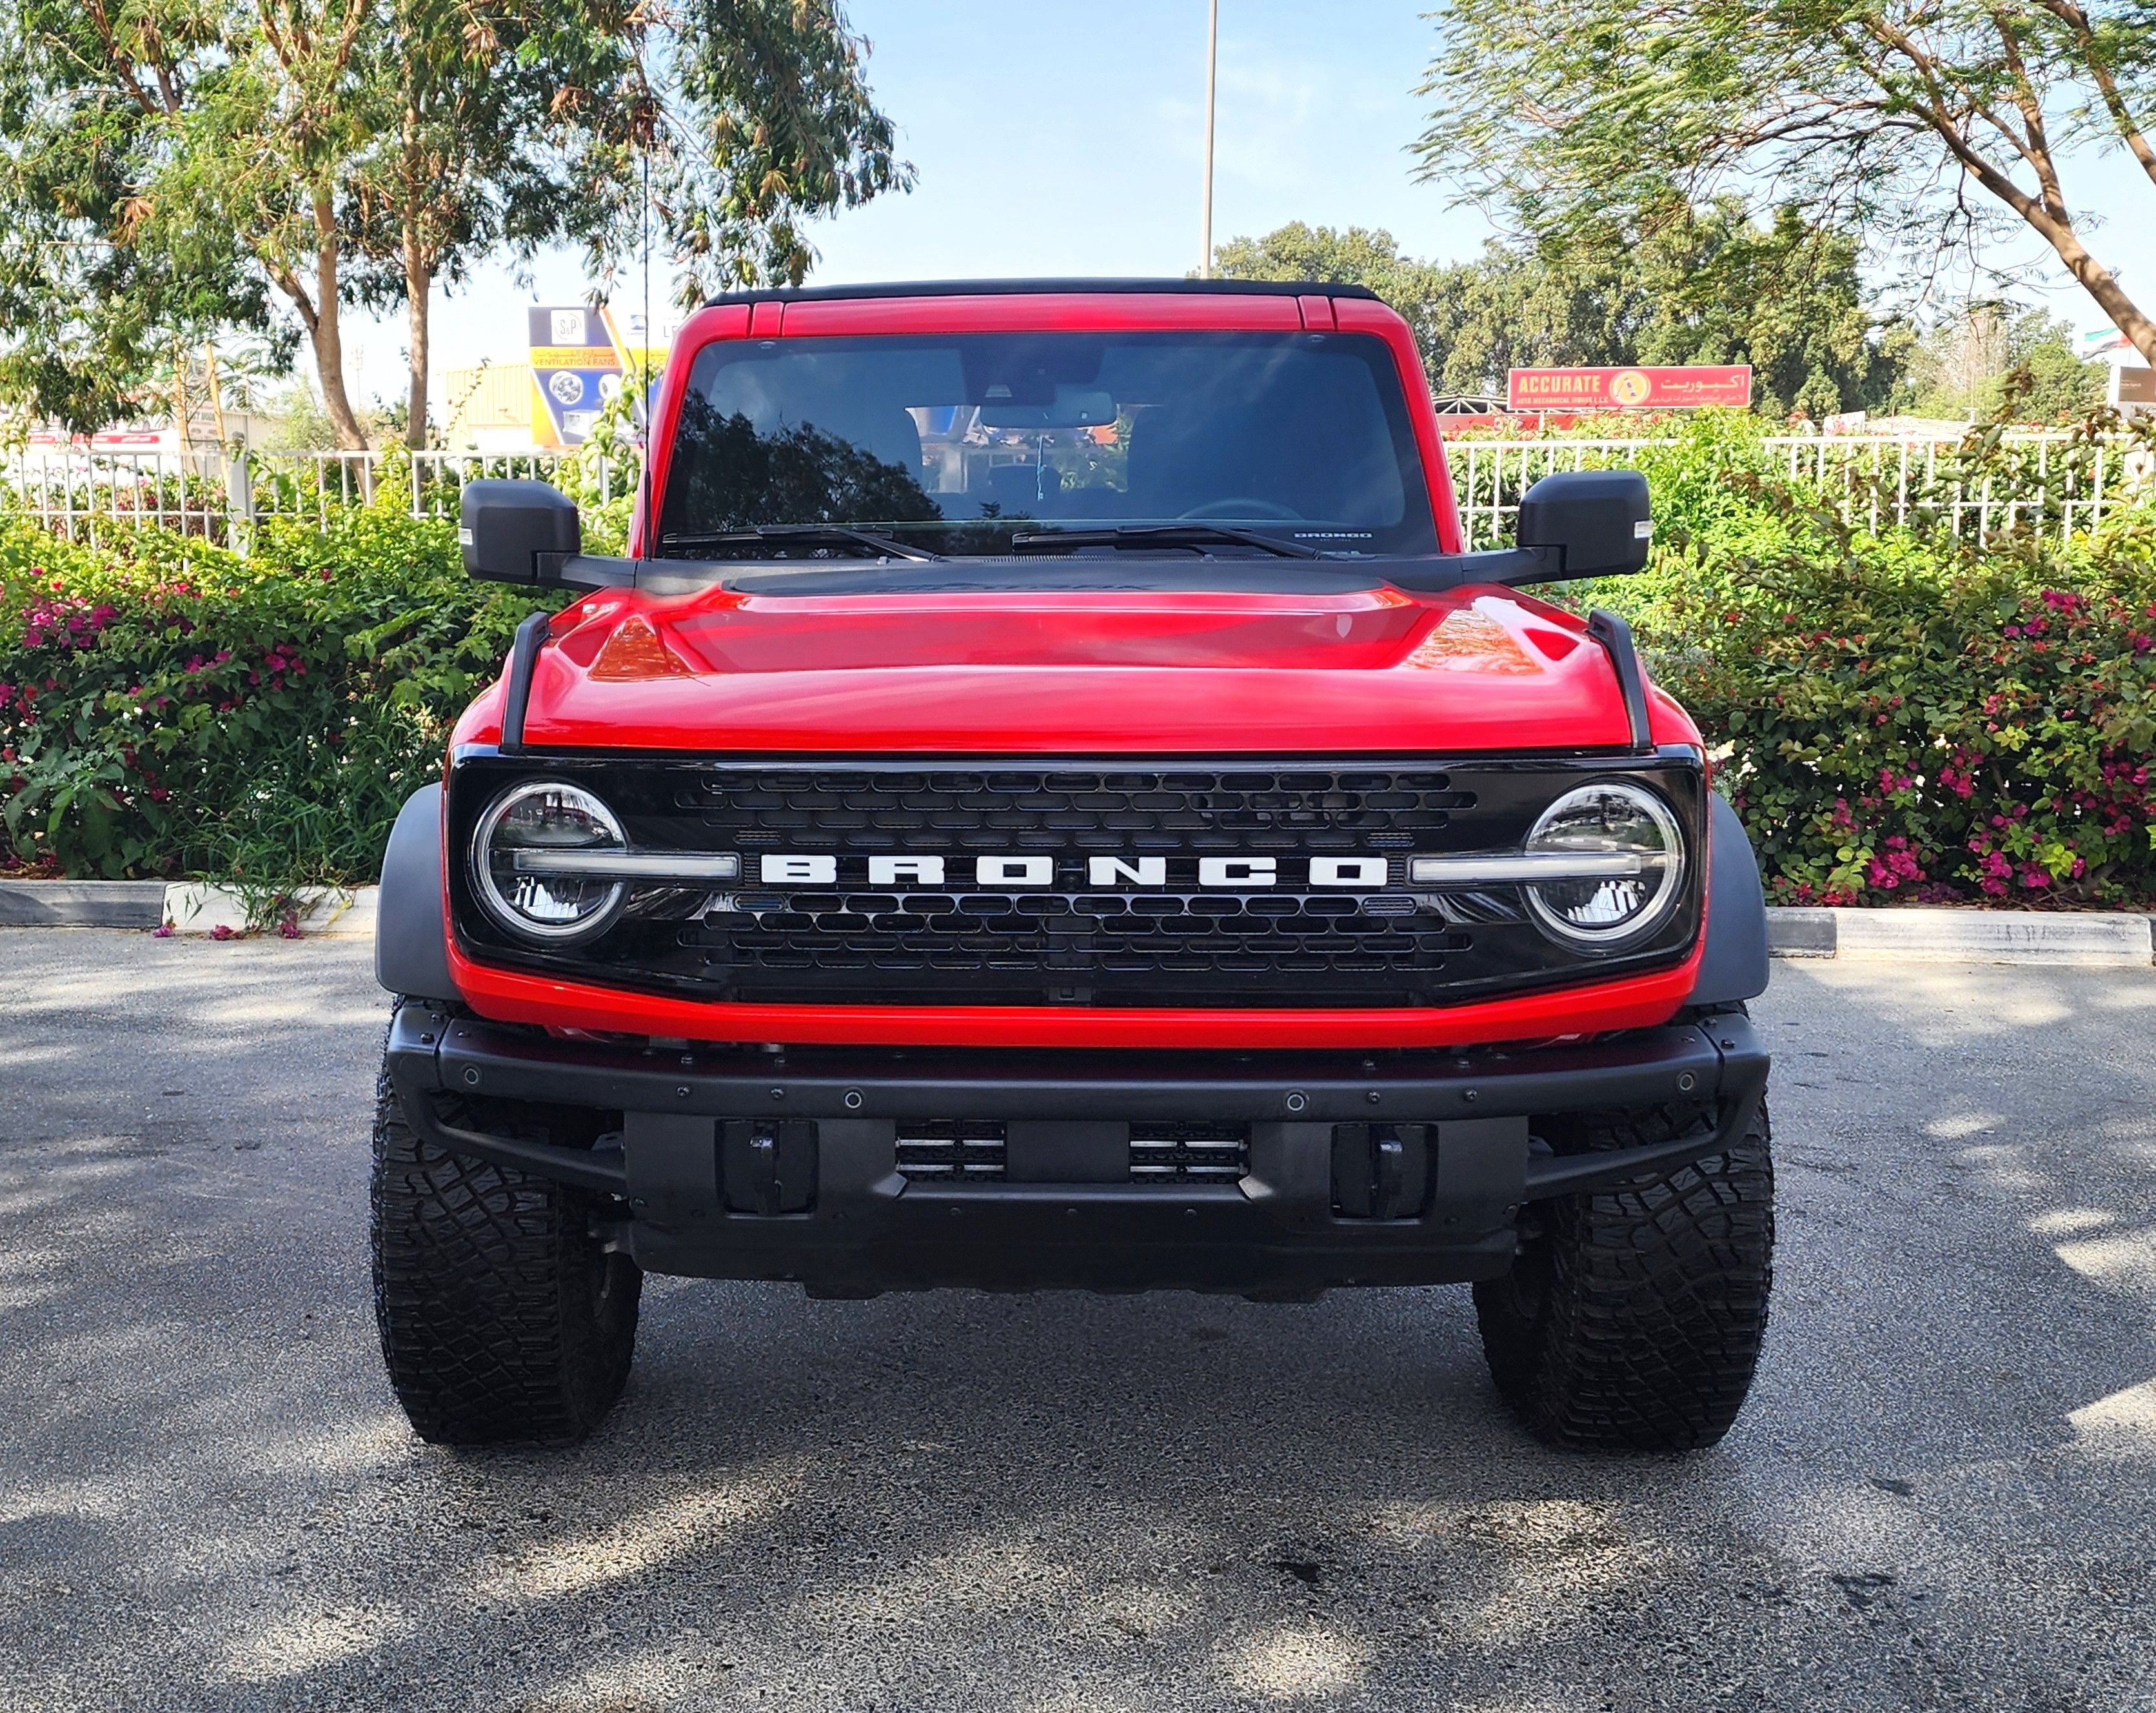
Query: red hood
point(1075, 672)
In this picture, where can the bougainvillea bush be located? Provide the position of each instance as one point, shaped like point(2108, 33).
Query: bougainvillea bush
point(1903, 718)
point(169, 709)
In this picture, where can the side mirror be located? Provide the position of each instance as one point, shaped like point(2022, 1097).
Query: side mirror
point(517, 532)
point(1587, 523)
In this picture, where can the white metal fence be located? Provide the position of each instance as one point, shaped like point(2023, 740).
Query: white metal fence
point(221, 496)
point(2052, 481)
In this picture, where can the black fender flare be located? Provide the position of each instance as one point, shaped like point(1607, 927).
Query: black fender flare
point(1734, 965)
point(411, 942)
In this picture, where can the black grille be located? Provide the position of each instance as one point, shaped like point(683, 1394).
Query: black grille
point(1189, 1153)
point(1060, 935)
point(1054, 809)
point(951, 1150)
point(1076, 939)
point(973, 1151)
point(1069, 943)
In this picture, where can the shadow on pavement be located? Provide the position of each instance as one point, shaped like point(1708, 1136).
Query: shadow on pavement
point(954, 1501)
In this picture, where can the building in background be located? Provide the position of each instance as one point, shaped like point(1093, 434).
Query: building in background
point(2133, 385)
point(487, 408)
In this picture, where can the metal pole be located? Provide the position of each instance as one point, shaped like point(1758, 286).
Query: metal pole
point(1212, 62)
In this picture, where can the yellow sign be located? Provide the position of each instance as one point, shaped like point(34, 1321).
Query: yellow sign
point(574, 357)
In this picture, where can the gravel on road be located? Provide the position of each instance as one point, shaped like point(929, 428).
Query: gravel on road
point(1940, 1496)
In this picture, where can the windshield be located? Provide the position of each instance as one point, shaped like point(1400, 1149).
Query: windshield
point(955, 443)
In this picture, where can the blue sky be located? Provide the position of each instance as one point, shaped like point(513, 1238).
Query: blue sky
point(1067, 140)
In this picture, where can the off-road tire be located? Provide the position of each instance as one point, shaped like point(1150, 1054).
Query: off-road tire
point(1632, 1318)
point(502, 1318)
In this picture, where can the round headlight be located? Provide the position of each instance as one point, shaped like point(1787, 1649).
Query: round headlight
point(1631, 861)
point(518, 852)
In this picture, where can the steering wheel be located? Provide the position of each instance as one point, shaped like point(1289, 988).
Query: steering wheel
point(1235, 506)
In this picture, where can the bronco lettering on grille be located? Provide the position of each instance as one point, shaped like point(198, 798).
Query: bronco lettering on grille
point(1108, 874)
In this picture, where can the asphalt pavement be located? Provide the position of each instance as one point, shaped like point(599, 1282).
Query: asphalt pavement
point(1940, 1496)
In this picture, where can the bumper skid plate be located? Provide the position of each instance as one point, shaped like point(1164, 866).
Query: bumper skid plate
point(1394, 1169)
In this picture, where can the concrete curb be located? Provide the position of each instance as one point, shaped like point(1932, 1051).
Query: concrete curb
point(192, 907)
point(1938, 933)
point(81, 904)
point(202, 907)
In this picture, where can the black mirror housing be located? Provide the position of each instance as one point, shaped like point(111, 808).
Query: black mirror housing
point(1588, 523)
point(517, 531)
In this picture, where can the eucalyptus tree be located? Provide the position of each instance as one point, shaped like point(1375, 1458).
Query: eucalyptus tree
point(173, 168)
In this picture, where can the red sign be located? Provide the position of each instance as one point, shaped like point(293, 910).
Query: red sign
point(1685, 389)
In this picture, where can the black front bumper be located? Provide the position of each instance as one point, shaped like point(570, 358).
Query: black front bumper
point(486, 1090)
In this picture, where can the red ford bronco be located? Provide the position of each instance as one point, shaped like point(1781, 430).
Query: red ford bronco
point(1047, 800)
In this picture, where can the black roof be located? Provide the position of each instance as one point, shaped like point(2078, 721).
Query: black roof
point(1003, 287)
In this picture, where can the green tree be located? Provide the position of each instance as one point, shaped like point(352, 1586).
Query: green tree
point(761, 119)
point(1917, 121)
point(477, 115)
point(1996, 363)
point(89, 309)
point(507, 124)
point(176, 167)
point(1694, 286)
point(1425, 293)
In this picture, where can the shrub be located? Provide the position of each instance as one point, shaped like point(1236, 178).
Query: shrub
point(169, 709)
point(1896, 716)
point(1901, 717)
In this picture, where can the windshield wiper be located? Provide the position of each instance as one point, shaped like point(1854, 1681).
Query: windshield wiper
point(1162, 535)
point(808, 534)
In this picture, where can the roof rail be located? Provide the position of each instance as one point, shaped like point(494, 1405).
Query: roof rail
point(1005, 288)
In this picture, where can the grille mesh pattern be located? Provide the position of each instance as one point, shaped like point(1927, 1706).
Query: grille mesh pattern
point(1079, 935)
point(1205, 809)
point(951, 1150)
point(1086, 943)
point(973, 1151)
point(1188, 1153)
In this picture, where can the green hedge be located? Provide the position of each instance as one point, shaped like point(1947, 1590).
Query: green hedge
point(1896, 717)
point(1902, 717)
point(168, 709)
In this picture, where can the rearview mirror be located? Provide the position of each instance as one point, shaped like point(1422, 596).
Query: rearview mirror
point(504, 527)
point(1586, 523)
point(1074, 408)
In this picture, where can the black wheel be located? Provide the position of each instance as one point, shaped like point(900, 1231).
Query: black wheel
point(502, 1317)
point(1633, 1317)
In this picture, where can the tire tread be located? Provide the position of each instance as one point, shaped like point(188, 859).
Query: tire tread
point(490, 1324)
point(1634, 1320)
